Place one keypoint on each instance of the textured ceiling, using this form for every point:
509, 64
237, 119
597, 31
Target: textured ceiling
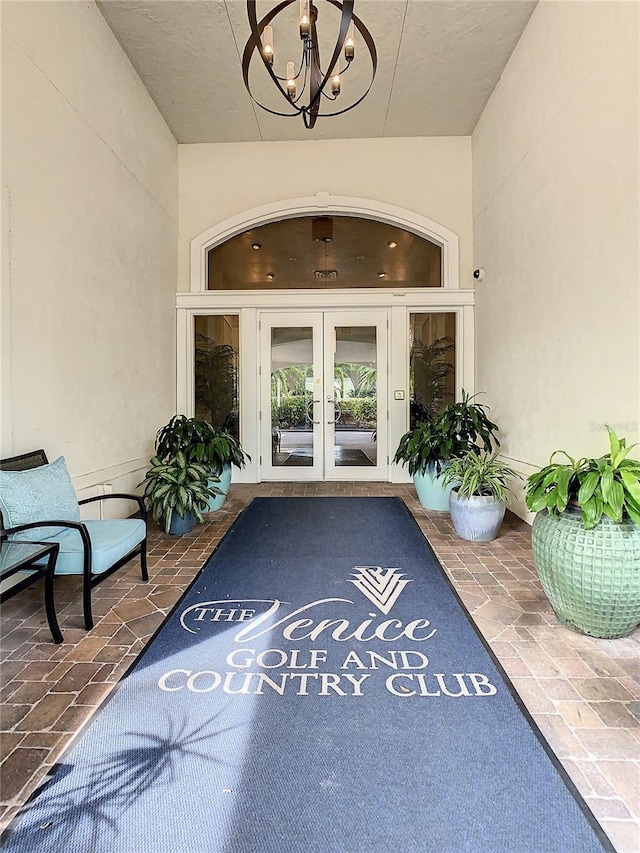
438, 62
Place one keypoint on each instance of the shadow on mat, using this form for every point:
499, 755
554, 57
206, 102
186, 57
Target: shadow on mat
82, 814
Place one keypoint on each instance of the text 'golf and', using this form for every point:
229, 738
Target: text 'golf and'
301, 671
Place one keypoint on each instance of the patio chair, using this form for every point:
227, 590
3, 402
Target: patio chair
38, 503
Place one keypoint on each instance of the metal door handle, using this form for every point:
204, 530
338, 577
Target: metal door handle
310, 406
337, 411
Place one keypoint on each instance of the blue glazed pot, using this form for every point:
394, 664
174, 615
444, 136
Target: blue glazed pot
477, 518
180, 525
432, 494
217, 502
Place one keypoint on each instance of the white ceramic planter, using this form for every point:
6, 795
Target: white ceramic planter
477, 518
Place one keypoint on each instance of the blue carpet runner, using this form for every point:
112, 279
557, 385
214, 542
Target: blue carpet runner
319, 689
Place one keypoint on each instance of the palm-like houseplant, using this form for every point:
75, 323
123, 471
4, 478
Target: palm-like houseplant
431, 377
431, 445
177, 491
479, 496
216, 382
586, 538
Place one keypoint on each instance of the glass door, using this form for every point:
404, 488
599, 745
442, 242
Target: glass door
355, 370
291, 412
324, 395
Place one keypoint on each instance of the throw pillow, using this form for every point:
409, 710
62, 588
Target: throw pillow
38, 494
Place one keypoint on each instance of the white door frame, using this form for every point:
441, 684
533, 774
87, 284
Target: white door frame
398, 353
323, 324
199, 300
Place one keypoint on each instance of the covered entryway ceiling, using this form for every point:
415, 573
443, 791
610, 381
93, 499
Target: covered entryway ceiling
439, 60
361, 253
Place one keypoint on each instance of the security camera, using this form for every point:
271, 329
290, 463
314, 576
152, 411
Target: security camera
478, 274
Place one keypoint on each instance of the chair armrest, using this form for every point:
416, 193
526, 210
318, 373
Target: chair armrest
140, 501
34, 525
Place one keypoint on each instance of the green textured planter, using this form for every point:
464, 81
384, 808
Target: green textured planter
591, 577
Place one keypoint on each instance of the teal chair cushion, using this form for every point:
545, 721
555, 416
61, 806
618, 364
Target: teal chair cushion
111, 539
38, 494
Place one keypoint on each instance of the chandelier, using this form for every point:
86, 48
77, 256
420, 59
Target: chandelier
305, 86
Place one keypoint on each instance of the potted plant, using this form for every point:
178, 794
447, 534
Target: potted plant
586, 539
177, 491
220, 452
478, 498
205, 444
431, 445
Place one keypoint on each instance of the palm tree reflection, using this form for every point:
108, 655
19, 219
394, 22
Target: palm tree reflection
75, 815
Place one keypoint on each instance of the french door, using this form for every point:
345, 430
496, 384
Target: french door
323, 395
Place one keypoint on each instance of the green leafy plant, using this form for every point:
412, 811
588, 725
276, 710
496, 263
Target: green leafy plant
290, 381
361, 410
200, 442
480, 474
608, 485
363, 380
176, 485
290, 412
431, 376
460, 427
216, 381
221, 449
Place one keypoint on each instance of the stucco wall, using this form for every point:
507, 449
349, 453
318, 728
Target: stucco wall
555, 207
431, 177
89, 172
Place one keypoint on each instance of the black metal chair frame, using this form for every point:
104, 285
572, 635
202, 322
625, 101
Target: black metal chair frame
90, 579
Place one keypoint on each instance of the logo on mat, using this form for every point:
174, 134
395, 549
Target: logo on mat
381, 586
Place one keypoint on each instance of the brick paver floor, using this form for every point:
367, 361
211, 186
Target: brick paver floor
583, 693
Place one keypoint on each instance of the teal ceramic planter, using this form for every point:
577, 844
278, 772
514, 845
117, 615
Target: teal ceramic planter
477, 518
181, 525
591, 577
217, 502
432, 494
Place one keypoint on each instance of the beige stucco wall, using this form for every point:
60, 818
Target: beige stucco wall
89, 173
556, 226
431, 177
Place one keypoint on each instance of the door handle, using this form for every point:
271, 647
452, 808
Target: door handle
337, 411
310, 415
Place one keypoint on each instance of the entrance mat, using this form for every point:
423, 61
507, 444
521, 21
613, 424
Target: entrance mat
342, 456
318, 688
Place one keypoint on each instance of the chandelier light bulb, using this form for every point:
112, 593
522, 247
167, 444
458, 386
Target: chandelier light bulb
267, 44
291, 83
335, 85
350, 43
305, 22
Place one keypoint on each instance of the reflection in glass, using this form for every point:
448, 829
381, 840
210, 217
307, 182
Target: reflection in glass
285, 255
217, 340
355, 395
292, 396
432, 339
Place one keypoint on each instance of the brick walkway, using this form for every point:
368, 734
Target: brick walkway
583, 693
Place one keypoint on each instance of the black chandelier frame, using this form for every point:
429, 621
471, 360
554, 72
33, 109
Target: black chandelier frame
310, 61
